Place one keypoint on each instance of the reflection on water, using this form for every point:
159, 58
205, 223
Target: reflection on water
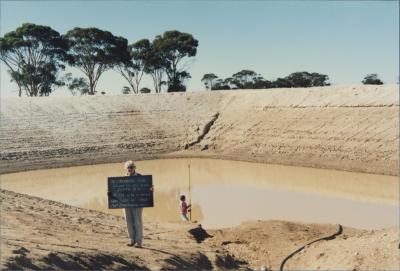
224, 193
232, 204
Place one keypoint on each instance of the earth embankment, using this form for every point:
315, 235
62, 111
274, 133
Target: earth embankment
353, 128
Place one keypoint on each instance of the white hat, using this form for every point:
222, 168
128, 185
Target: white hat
129, 164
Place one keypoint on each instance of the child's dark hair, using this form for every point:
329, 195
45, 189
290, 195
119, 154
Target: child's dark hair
183, 197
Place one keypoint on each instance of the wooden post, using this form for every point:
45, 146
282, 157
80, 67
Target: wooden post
190, 197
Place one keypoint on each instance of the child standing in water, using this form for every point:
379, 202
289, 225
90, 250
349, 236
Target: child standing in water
184, 208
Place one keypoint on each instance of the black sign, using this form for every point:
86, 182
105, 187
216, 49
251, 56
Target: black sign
130, 192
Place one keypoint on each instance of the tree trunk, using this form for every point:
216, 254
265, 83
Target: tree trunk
137, 86
91, 86
133, 88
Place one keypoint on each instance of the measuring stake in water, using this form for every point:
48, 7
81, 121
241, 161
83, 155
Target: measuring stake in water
190, 197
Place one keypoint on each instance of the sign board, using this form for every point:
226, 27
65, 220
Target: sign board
130, 192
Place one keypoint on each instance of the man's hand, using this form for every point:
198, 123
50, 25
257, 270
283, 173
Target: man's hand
152, 189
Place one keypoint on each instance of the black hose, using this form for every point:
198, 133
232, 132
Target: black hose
330, 237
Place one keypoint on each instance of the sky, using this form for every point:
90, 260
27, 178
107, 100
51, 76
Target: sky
344, 39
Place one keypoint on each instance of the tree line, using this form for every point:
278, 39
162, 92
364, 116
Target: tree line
248, 79
35, 56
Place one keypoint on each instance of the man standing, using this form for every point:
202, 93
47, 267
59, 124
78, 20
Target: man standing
133, 216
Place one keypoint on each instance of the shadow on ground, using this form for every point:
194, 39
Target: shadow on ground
73, 261
84, 261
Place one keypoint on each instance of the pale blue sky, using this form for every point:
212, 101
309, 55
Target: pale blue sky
343, 39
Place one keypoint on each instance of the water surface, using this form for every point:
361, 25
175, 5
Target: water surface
225, 193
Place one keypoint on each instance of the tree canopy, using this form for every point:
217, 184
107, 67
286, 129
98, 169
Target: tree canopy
76, 85
372, 79
138, 61
244, 78
93, 51
248, 79
34, 55
208, 80
305, 79
145, 90
155, 66
173, 46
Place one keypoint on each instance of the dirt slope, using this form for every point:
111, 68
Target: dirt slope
352, 128
268, 243
40, 234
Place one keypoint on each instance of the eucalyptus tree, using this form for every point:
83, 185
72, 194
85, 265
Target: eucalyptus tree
94, 51
145, 90
318, 79
260, 83
174, 46
281, 83
178, 82
208, 80
134, 68
245, 79
221, 84
230, 82
301, 79
125, 90
372, 79
34, 55
307, 79
155, 66
76, 84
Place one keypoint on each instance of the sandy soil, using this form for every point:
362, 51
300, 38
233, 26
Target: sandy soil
42, 234
352, 128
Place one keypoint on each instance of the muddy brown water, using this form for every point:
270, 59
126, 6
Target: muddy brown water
225, 193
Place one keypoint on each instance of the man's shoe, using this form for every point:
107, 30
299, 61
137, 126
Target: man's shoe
138, 245
130, 244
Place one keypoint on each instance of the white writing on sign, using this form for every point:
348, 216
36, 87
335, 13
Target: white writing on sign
130, 192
